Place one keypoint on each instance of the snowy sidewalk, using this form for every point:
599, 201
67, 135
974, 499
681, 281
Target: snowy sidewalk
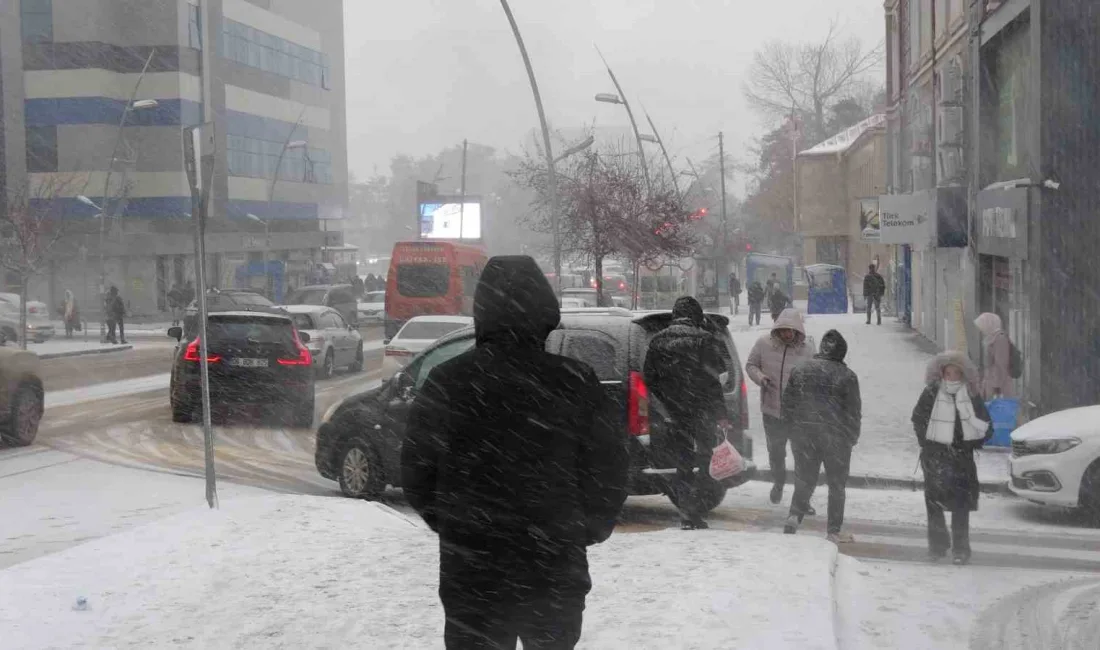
890, 362
74, 347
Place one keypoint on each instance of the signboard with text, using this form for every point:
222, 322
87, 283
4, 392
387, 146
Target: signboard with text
907, 218
1000, 227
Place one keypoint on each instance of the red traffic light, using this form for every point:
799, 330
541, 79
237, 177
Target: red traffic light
748, 247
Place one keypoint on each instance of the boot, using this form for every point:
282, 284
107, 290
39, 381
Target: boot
791, 526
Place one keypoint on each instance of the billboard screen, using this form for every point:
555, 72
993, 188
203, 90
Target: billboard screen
447, 219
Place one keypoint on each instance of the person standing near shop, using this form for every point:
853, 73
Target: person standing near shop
735, 293
115, 310
874, 288
756, 295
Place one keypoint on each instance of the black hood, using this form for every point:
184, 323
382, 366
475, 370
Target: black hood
688, 308
514, 303
833, 346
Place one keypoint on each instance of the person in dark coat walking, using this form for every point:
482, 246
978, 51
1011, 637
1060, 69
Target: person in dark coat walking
682, 368
777, 302
756, 295
515, 457
735, 293
824, 409
115, 310
874, 288
951, 421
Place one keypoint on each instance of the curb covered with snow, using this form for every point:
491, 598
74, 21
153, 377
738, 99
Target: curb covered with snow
80, 353
298, 572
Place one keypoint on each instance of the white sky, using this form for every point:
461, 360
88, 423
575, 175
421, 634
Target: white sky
424, 74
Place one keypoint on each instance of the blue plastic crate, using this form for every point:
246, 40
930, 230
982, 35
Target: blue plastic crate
1003, 412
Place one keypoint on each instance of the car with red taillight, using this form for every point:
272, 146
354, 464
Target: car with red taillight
255, 359
359, 440
414, 336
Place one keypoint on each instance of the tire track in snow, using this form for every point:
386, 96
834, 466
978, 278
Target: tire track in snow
1029, 620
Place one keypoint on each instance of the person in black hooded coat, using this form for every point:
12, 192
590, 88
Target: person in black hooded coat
682, 368
515, 458
823, 406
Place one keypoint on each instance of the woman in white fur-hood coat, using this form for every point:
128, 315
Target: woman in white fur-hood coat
951, 421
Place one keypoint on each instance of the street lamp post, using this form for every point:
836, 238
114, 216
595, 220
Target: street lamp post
287, 146
267, 247
609, 98
551, 177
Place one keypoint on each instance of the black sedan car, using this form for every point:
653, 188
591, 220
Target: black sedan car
255, 358
359, 441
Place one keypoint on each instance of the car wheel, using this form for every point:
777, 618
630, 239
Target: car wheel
709, 493
360, 471
1090, 494
357, 366
25, 415
328, 366
303, 415
182, 410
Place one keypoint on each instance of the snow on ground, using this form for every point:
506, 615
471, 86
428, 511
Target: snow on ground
890, 362
45, 505
309, 572
106, 390
75, 346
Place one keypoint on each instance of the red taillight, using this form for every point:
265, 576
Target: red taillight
304, 358
622, 286
744, 405
32, 310
398, 352
192, 353
637, 406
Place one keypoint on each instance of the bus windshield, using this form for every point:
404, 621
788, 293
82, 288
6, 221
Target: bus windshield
423, 280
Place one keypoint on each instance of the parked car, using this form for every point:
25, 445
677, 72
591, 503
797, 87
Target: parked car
221, 300
340, 297
416, 334
39, 327
255, 358
359, 440
372, 307
332, 341
1056, 460
21, 397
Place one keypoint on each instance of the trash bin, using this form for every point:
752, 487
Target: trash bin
1003, 412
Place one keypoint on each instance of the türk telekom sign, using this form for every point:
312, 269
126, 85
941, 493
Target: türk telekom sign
907, 218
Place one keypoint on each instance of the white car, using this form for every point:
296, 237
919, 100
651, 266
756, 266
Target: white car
332, 342
418, 333
372, 308
39, 327
1056, 459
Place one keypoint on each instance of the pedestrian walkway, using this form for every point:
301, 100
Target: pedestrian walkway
890, 362
74, 347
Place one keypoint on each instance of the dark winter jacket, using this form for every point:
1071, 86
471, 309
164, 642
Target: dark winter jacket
734, 285
683, 364
756, 293
950, 474
512, 454
114, 306
873, 285
822, 398
778, 301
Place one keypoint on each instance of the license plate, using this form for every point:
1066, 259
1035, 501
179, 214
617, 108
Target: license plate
248, 363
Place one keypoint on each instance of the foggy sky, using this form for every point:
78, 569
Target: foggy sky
424, 74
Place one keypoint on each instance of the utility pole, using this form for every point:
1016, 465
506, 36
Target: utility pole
725, 224
462, 203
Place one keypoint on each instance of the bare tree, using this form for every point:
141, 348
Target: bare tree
605, 208
31, 226
808, 78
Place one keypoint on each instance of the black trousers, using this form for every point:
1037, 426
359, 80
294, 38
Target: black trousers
809, 454
691, 447
111, 324
939, 539
754, 310
874, 302
735, 303
549, 623
777, 432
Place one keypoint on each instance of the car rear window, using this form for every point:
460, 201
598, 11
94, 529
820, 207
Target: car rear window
428, 330
307, 297
597, 349
245, 328
303, 321
423, 280
375, 296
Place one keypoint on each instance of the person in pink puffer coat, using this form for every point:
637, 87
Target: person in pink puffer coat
769, 366
996, 352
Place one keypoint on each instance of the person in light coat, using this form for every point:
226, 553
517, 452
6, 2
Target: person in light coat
769, 366
996, 353
951, 422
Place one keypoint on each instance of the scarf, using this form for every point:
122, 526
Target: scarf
942, 426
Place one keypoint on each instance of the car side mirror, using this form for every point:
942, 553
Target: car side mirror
303, 337
175, 332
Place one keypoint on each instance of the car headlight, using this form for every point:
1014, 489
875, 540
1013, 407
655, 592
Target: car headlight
1052, 446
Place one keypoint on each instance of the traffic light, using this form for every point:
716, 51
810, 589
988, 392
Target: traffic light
748, 248
701, 213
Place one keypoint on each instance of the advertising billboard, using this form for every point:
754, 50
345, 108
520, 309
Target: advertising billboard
449, 218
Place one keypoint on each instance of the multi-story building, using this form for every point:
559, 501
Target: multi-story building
269, 74
993, 139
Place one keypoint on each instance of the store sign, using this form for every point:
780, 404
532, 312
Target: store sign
1000, 226
870, 224
906, 218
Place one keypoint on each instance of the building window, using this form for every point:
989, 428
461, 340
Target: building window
832, 250
41, 149
255, 158
257, 49
37, 20
194, 27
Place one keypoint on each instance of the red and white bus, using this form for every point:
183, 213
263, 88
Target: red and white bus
431, 278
